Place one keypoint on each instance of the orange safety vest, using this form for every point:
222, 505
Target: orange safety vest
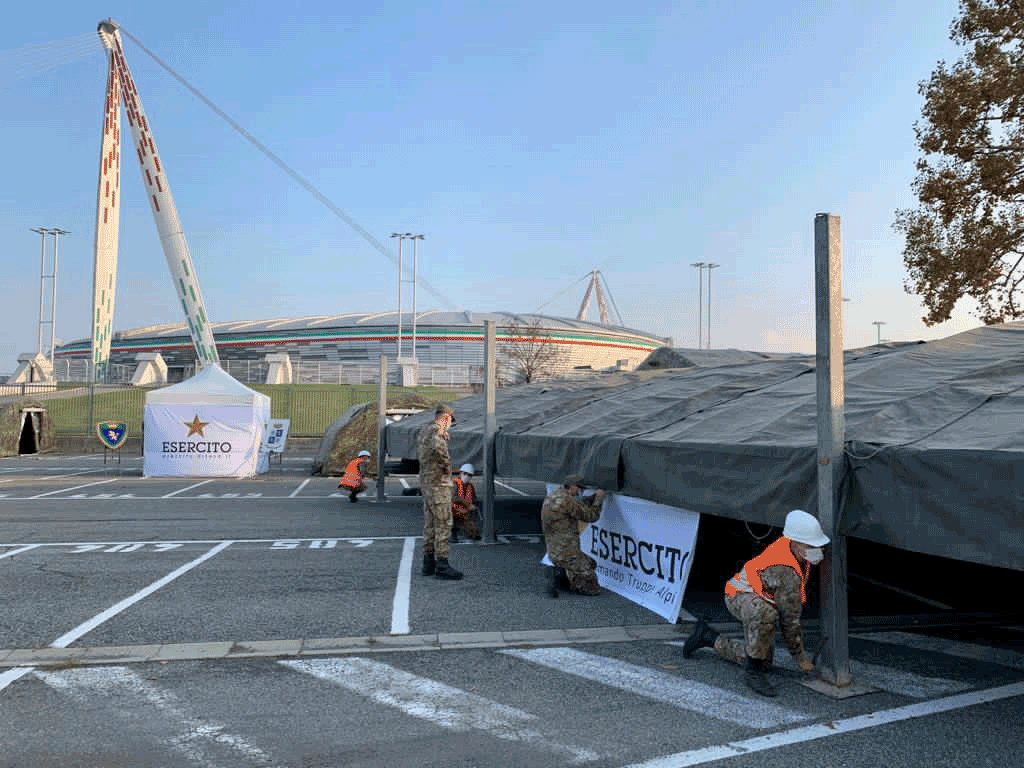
466, 492
749, 578
353, 477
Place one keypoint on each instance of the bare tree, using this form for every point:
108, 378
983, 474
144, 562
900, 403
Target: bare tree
528, 353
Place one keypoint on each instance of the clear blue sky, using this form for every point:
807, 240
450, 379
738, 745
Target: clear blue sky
531, 142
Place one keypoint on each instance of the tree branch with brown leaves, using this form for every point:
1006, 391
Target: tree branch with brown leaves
965, 236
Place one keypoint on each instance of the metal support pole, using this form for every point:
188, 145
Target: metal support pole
710, 267
42, 276
382, 422
414, 238
57, 232
700, 303
490, 428
828, 271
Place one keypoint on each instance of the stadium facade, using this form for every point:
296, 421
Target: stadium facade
449, 346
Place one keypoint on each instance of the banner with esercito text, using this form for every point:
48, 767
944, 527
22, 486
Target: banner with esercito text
643, 551
200, 441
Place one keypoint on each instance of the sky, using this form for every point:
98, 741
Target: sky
529, 142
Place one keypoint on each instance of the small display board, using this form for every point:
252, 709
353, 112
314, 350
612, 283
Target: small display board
277, 433
112, 434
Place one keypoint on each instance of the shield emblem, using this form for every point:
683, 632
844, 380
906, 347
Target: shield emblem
111, 434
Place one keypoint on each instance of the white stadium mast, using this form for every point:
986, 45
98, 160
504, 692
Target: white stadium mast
121, 88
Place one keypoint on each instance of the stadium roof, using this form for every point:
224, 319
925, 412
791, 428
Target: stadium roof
390, 319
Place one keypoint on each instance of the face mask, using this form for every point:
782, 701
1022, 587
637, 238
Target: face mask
814, 555
465, 477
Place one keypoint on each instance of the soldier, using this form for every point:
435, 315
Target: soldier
769, 589
354, 478
464, 506
436, 487
561, 515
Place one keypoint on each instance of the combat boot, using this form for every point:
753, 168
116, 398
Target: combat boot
586, 585
445, 571
703, 636
757, 678
557, 577
429, 564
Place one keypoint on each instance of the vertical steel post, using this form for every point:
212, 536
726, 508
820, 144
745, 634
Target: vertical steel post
700, 303
42, 277
382, 422
398, 339
828, 270
710, 266
490, 428
57, 232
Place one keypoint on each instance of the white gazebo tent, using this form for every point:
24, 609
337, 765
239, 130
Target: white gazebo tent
210, 425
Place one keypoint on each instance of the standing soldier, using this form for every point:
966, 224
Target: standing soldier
561, 515
436, 487
770, 589
354, 478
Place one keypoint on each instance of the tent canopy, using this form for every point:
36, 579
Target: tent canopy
934, 438
211, 386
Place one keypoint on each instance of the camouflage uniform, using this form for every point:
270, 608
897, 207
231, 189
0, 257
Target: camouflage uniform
758, 618
436, 487
560, 517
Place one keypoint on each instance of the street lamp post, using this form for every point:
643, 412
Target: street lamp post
710, 267
700, 302
398, 339
878, 324
414, 238
43, 232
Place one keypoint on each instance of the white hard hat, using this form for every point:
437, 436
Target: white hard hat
804, 528
364, 453
467, 468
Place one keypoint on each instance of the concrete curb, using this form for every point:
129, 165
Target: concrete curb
328, 646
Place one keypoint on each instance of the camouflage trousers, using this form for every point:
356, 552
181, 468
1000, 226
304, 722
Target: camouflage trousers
581, 572
437, 520
759, 619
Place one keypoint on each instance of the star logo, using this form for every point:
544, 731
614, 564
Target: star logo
195, 427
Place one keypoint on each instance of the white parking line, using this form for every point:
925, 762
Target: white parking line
302, 485
514, 490
182, 490
14, 552
999, 656
883, 678
831, 728
400, 606
198, 740
69, 637
674, 690
435, 702
74, 488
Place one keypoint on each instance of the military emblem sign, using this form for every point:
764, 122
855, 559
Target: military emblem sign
111, 434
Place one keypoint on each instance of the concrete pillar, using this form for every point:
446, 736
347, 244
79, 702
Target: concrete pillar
151, 370
279, 368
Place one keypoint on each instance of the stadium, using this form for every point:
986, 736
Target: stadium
447, 345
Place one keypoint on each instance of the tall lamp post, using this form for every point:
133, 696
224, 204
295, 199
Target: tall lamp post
414, 238
398, 339
878, 324
700, 302
43, 232
710, 267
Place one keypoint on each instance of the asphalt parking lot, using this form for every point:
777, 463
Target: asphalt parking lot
269, 621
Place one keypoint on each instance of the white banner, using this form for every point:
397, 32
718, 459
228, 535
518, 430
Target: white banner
203, 441
643, 551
